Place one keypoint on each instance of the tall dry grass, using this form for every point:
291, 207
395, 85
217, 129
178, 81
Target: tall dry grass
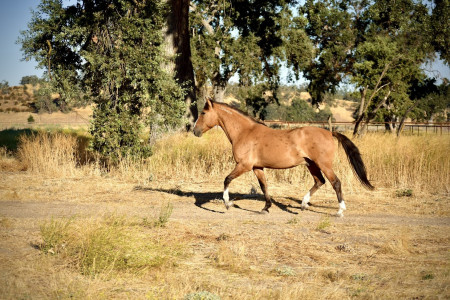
414, 162
51, 154
417, 162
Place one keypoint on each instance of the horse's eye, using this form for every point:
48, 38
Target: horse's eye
202, 113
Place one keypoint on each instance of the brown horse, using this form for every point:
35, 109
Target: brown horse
256, 146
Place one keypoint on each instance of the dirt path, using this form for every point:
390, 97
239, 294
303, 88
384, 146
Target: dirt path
388, 244
189, 208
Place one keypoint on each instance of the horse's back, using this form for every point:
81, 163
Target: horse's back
288, 148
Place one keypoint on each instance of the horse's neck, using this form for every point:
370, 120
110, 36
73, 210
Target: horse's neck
233, 123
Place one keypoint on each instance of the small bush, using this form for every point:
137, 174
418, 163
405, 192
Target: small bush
293, 221
285, 271
30, 119
404, 193
164, 215
202, 295
108, 245
323, 224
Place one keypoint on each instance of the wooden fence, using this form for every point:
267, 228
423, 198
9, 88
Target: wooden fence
409, 127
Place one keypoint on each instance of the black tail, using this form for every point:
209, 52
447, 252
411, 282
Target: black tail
355, 160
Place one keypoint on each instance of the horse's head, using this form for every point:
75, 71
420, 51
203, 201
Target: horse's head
208, 119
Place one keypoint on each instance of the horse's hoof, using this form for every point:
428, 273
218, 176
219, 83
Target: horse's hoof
340, 215
228, 205
264, 211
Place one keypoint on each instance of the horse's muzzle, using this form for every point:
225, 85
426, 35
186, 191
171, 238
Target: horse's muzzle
198, 132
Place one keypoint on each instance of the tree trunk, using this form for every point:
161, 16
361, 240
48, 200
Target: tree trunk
219, 92
404, 117
371, 115
361, 110
178, 45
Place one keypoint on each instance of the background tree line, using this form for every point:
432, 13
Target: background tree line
152, 63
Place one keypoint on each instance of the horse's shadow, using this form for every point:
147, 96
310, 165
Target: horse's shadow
202, 198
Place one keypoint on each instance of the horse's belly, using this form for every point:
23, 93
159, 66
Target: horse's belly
281, 158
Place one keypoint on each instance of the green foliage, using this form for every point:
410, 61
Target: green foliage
440, 28
32, 79
44, 102
379, 46
333, 30
298, 111
323, 224
255, 99
54, 234
404, 193
238, 37
9, 138
301, 111
30, 119
109, 53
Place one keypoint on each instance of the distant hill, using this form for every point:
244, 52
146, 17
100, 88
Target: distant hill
16, 105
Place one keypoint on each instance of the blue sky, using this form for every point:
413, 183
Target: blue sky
14, 17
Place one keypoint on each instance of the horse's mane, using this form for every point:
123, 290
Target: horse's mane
243, 113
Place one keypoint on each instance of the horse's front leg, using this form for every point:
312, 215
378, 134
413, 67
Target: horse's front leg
238, 171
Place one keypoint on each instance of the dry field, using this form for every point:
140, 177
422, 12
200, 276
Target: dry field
156, 229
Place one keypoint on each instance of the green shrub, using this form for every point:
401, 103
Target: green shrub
404, 193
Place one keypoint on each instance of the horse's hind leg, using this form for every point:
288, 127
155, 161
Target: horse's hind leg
336, 183
259, 172
318, 182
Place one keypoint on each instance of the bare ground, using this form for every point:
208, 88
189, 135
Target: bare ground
384, 247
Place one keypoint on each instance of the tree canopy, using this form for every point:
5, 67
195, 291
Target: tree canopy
110, 52
114, 53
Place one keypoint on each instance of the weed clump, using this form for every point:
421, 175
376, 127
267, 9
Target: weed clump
404, 193
108, 245
164, 215
323, 224
202, 295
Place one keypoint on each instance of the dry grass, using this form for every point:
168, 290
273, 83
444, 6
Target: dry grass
150, 230
109, 245
238, 255
49, 153
413, 163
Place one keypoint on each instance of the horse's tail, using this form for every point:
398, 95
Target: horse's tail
355, 160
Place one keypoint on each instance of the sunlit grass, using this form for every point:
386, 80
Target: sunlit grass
416, 163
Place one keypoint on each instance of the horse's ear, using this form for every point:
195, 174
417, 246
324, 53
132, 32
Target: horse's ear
208, 104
